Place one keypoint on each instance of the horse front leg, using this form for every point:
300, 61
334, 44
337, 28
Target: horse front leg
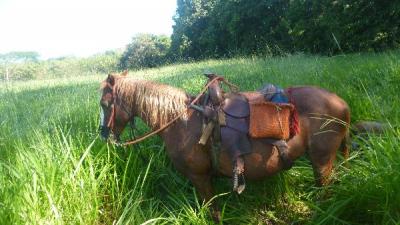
203, 184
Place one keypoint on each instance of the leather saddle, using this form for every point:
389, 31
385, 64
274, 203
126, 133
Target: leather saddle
234, 134
229, 115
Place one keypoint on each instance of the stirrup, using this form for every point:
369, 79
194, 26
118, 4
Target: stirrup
239, 183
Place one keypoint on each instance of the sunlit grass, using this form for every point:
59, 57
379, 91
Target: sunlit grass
55, 170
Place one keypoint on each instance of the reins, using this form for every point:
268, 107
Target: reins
233, 87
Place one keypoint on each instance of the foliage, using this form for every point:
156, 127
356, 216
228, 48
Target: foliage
331, 26
216, 28
55, 170
145, 50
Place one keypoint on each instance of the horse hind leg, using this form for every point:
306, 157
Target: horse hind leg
322, 153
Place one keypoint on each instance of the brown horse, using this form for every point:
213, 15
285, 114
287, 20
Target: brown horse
323, 117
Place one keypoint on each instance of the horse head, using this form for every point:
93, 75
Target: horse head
113, 114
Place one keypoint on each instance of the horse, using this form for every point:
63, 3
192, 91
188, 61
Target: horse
323, 129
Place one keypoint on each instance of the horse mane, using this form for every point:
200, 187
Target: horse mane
155, 103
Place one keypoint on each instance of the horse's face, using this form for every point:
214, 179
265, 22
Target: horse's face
113, 118
106, 105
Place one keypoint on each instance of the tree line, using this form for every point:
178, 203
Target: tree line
220, 28
27, 66
227, 28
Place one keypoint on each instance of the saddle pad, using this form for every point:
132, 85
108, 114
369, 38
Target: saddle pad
270, 120
253, 96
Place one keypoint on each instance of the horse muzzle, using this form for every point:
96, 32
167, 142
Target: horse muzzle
104, 132
107, 135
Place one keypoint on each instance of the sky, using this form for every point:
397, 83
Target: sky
56, 28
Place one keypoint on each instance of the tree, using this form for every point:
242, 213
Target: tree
145, 50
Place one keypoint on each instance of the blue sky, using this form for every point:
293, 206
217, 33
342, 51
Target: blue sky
81, 28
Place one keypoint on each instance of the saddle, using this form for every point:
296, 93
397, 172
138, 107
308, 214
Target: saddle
227, 121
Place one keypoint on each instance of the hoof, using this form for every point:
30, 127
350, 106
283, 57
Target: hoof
216, 215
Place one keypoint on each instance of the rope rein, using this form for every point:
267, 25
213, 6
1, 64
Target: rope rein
231, 86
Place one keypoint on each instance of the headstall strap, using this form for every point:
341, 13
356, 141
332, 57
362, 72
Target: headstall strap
110, 123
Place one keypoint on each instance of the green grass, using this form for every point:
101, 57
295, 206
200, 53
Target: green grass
55, 170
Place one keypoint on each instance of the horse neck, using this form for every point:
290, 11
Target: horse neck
156, 104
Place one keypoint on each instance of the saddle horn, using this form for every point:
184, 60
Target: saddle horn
210, 75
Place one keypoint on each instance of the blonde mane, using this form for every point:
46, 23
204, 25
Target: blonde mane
155, 103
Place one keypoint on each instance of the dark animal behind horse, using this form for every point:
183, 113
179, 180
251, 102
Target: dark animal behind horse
323, 117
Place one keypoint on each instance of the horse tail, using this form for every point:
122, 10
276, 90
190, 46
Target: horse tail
359, 129
362, 129
369, 127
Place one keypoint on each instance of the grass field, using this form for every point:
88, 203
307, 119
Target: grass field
54, 169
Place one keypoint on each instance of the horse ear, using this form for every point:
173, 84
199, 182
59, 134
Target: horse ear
125, 73
111, 79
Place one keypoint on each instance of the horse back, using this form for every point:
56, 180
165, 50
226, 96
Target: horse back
310, 100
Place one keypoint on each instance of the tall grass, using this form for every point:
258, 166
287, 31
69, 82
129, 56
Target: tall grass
55, 170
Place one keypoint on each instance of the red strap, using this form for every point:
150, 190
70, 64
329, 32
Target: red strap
111, 120
110, 123
294, 116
